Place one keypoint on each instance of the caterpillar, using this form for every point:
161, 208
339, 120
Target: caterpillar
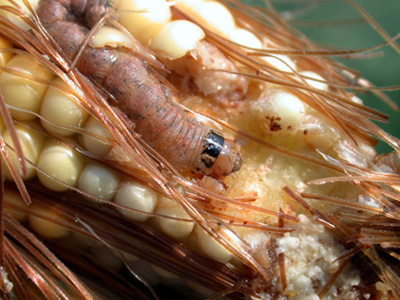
181, 139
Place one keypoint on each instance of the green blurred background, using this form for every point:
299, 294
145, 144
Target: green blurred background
336, 23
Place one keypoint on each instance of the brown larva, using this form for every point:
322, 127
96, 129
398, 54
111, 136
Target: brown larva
181, 139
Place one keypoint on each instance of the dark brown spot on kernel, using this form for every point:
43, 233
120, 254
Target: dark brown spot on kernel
275, 127
273, 124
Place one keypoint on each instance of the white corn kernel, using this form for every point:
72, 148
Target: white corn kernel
212, 14
187, 4
31, 144
176, 229
176, 38
21, 92
98, 181
61, 162
15, 199
288, 107
357, 100
44, 227
143, 18
280, 62
111, 37
315, 84
211, 247
94, 144
15, 19
245, 38
139, 197
5, 57
59, 109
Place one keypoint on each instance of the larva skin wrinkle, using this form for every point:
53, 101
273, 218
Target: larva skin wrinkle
162, 124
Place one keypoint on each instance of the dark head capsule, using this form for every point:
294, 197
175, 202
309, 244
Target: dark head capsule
219, 156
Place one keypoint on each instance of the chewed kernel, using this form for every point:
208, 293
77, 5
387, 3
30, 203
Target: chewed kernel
176, 38
21, 92
59, 109
60, 162
98, 181
45, 227
211, 247
14, 198
289, 107
276, 110
143, 18
320, 134
31, 143
263, 258
175, 228
94, 144
136, 196
111, 37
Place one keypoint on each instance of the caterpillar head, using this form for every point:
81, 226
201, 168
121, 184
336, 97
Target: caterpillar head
220, 157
